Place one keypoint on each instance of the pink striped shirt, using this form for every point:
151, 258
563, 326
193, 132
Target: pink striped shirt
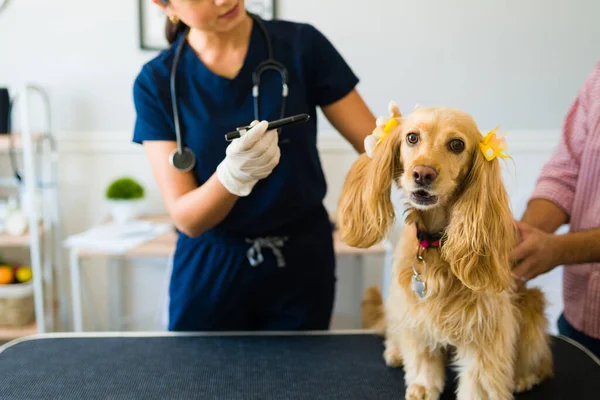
571, 180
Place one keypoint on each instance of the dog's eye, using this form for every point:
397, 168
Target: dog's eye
457, 146
412, 138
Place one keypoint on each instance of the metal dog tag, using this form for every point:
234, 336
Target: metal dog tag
418, 286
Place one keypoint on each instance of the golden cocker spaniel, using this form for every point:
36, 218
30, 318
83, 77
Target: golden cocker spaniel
452, 296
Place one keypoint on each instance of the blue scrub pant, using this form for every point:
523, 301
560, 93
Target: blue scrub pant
566, 329
215, 287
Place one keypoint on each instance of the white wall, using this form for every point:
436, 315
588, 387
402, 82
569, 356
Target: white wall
509, 62
513, 63
85, 53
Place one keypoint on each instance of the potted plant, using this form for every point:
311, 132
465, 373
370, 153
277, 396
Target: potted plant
125, 195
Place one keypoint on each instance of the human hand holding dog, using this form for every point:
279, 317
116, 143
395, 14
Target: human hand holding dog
537, 253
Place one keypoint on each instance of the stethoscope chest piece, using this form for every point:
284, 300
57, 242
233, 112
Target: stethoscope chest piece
183, 160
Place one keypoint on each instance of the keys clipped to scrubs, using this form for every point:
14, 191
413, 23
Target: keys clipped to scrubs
280, 123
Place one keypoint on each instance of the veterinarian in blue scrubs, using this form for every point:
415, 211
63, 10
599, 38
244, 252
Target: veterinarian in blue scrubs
254, 248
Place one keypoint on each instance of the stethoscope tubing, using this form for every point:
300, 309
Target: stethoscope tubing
183, 158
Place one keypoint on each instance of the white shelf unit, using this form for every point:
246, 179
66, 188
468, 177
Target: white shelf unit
44, 234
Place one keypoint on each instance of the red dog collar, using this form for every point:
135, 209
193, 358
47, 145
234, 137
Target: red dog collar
427, 239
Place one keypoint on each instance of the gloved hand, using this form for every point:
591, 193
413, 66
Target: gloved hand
371, 140
249, 159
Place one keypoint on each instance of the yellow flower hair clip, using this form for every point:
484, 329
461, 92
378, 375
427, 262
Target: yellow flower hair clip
392, 123
492, 146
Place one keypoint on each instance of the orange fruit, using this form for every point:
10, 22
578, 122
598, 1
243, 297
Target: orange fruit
6, 275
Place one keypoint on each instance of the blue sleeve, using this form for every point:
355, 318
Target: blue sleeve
153, 120
331, 77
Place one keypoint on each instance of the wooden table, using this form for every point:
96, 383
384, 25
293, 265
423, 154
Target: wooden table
164, 246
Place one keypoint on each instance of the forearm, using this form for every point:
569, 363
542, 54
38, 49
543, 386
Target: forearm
202, 208
577, 247
196, 208
352, 118
544, 215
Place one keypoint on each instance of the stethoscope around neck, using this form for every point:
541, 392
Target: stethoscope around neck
183, 158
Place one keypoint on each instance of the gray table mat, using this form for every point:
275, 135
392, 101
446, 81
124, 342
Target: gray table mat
238, 367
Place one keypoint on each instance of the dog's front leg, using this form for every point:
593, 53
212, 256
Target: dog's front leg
424, 370
486, 372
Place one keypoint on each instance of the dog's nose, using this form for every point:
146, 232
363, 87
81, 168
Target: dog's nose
424, 175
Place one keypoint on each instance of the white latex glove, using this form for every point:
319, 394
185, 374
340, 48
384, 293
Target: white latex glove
249, 159
372, 139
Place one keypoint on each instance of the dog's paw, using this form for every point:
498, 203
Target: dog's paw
419, 392
392, 356
525, 383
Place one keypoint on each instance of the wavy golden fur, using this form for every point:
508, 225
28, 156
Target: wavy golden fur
495, 328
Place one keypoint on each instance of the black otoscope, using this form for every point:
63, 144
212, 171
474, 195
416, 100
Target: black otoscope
280, 123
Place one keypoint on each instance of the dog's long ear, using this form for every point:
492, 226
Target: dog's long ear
482, 230
365, 209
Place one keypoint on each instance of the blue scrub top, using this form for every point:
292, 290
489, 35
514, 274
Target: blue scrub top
211, 105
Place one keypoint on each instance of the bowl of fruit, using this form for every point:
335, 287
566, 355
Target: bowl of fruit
16, 295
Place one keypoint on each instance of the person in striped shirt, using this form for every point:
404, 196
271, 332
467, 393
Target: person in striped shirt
568, 192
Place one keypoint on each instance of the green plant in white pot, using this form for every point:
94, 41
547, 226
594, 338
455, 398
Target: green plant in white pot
125, 195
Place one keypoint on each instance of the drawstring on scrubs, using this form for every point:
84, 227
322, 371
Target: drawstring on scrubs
254, 253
